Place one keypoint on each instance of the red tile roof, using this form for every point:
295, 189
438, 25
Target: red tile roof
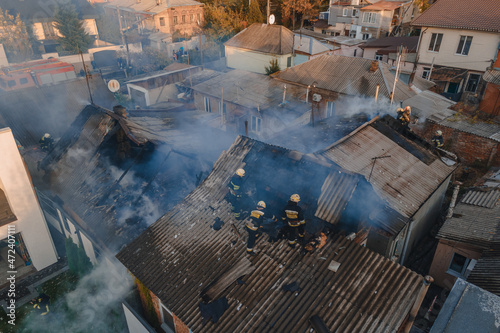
481, 15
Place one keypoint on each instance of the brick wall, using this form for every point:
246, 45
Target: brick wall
468, 147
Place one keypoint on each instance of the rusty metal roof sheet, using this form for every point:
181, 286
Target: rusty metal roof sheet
405, 179
486, 272
492, 76
459, 14
346, 75
482, 198
265, 38
180, 255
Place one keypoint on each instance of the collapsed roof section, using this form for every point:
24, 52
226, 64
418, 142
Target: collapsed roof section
180, 255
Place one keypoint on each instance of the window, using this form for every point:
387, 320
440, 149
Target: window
472, 83
330, 109
435, 42
48, 30
223, 110
289, 62
191, 18
352, 33
23, 80
464, 45
199, 18
183, 18
366, 36
162, 21
426, 72
378, 57
354, 13
345, 12
11, 83
167, 320
206, 102
256, 124
369, 17
453, 87
323, 32
458, 265
176, 20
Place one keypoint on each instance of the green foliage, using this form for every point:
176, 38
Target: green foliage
254, 14
422, 5
273, 66
78, 261
149, 60
149, 308
74, 38
221, 23
15, 38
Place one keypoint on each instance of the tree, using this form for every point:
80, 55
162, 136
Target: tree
254, 14
422, 5
74, 38
221, 23
273, 66
302, 8
15, 38
78, 261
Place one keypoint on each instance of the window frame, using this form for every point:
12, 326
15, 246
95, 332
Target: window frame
465, 48
464, 267
183, 19
330, 108
164, 325
176, 19
206, 104
435, 42
425, 73
379, 57
367, 36
345, 11
256, 124
288, 62
372, 17
162, 21
354, 12
466, 88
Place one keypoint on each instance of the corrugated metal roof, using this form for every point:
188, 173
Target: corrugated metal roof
404, 180
428, 104
487, 199
486, 272
346, 75
265, 38
476, 127
459, 14
492, 76
473, 224
180, 255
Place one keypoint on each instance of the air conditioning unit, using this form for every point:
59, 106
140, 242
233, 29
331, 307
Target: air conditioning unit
316, 97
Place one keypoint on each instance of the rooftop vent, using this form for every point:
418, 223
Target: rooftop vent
374, 66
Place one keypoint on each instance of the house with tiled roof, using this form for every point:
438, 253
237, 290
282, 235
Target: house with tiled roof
192, 260
458, 43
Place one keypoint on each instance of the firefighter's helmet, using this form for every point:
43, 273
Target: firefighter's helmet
261, 204
438, 132
46, 135
408, 109
240, 172
295, 198
399, 110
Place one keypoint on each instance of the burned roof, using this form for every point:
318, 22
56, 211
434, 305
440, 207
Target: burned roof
6, 214
180, 255
265, 38
117, 175
402, 170
346, 75
475, 220
49, 109
459, 14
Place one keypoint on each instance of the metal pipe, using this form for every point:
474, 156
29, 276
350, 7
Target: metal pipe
453, 200
376, 92
246, 127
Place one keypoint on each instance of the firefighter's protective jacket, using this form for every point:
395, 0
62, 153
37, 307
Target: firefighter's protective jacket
293, 214
235, 185
438, 141
257, 219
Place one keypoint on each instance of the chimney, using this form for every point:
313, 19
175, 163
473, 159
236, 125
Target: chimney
120, 110
374, 66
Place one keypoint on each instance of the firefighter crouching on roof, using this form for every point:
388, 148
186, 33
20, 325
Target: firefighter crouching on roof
292, 214
41, 304
254, 225
404, 115
46, 142
235, 192
437, 139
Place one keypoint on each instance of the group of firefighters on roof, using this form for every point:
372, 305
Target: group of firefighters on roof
292, 215
403, 115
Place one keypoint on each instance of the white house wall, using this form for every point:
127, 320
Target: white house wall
252, 61
3, 57
484, 47
24, 204
89, 249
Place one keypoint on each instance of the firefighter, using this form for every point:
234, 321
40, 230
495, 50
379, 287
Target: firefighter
437, 139
46, 142
404, 115
235, 192
292, 214
254, 225
41, 303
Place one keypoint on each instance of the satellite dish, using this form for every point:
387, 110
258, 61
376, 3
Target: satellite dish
272, 19
113, 85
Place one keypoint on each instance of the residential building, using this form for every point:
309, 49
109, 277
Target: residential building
348, 46
472, 230
332, 78
256, 46
387, 50
468, 309
165, 16
250, 103
184, 263
307, 48
391, 159
26, 245
39, 16
457, 44
160, 86
490, 102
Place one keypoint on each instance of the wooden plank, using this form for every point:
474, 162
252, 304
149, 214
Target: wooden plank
242, 267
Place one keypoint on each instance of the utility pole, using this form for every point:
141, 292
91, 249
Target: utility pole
86, 75
397, 73
268, 11
123, 39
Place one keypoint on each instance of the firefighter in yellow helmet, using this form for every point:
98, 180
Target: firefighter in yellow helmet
404, 115
254, 225
41, 303
46, 142
235, 192
293, 216
437, 139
